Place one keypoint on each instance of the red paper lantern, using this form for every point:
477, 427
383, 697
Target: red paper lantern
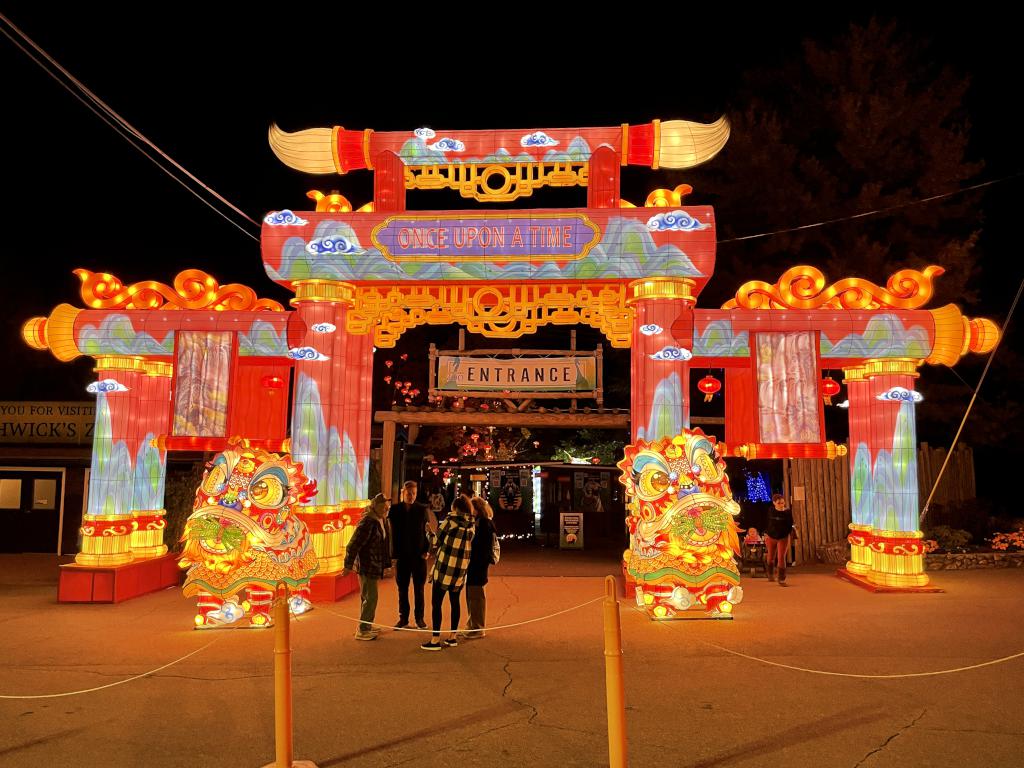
829, 389
709, 385
272, 382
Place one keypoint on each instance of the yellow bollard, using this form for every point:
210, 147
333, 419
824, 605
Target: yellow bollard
282, 681
613, 678
283, 685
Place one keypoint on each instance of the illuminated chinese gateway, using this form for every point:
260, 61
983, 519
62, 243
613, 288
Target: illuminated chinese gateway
189, 366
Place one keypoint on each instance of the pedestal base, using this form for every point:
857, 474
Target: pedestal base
331, 587
114, 584
863, 583
295, 764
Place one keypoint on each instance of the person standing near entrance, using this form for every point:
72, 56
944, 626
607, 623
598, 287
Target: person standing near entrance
480, 559
777, 533
409, 548
451, 559
369, 553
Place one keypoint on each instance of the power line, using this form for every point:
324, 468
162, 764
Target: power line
123, 127
875, 212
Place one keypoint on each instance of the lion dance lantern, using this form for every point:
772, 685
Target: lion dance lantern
244, 536
683, 535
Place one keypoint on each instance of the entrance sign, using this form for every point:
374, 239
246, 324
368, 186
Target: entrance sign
524, 374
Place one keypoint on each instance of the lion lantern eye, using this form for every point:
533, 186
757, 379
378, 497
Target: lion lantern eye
215, 480
654, 483
267, 491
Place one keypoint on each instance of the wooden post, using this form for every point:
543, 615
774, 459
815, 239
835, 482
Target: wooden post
432, 386
282, 681
387, 461
614, 688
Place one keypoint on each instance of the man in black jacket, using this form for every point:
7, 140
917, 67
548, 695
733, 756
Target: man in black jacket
409, 549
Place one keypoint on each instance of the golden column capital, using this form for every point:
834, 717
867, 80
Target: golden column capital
661, 288
325, 291
888, 366
120, 363
158, 368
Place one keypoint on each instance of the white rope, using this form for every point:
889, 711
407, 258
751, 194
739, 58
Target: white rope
868, 677
795, 668
482, 629
119, 682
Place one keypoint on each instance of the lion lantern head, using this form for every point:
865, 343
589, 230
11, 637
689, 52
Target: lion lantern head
244, 532
683, 532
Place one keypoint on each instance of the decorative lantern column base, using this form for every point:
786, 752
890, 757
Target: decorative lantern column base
860, 549
897, 562
147, 538
897, 559
331, 527
106, 541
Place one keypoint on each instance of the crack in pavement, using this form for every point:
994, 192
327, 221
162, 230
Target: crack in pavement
885, 743
507, 608
535, 713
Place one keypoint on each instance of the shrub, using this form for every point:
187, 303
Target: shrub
949, 539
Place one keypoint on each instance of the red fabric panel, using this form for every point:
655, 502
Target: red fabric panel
259, 411
740, 406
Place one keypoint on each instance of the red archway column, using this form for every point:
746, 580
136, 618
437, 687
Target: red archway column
330, 421
107, 523
660, 369
152, 421
886, 546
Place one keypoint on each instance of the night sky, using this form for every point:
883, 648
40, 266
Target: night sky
205, 87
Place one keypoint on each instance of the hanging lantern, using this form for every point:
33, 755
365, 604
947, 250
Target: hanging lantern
709, 385
829, 389
272, 382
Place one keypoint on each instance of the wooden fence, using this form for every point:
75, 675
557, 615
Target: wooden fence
819, 490
958, 480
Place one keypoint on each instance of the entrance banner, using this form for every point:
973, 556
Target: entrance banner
523, 374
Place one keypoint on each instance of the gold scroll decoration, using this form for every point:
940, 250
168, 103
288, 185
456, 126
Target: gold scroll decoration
803, 287
193, 289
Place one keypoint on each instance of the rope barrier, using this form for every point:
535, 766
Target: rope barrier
867, 677
897, 676
119, 682
484, 629
534, 620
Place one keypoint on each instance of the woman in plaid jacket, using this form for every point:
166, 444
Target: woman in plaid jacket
451, 559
